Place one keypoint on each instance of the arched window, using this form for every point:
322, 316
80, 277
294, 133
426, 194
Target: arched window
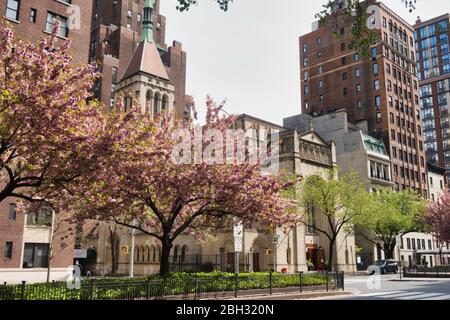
142, 254
158, 254
156, 100
153, 254
136, 252
164, 104
147, 248
128, 103
176, 252
148, 101
183, 253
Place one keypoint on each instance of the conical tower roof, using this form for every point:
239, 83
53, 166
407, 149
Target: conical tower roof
146, 58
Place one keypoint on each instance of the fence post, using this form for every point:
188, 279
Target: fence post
270, 282
149, 294
301, 281
92, 289
236, 285
22, 291
196, 288
326, 276
343, 281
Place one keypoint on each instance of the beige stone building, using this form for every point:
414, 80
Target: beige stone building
303, 154
356, 151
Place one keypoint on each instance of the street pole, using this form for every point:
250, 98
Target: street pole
399, 256
274, 257
238, 244
133, 233
275, 243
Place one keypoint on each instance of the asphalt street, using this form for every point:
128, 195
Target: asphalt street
390, 287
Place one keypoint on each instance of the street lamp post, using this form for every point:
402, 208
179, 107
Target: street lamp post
399, 255
238, 231
133, 234
276, 237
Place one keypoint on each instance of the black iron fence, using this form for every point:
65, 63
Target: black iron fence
225, 262
192, 288
426, 272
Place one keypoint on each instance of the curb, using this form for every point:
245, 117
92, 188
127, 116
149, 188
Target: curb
420, 280
296, 296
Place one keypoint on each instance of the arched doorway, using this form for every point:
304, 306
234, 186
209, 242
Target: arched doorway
257, 259
227, 256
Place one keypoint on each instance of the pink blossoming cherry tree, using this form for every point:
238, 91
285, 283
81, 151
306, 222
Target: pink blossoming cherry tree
140, 186
46, 124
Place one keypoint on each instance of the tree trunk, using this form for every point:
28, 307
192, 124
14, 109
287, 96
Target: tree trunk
49, 263
114, 258
164, 266
330, 255
389, 250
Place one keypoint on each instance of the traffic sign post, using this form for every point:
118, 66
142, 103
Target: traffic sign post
238, 232
275, 240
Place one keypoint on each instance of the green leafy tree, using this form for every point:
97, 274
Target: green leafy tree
340, 201
390, 215
184, 5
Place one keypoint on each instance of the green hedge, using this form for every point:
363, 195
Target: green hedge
172, 285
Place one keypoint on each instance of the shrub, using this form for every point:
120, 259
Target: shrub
173, 284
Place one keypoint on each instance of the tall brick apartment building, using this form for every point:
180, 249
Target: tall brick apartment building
433, 56
33, 19
116, 33
24, 239
382, 89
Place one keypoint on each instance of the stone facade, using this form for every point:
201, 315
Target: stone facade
355, 151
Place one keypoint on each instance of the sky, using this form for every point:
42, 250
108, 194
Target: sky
249, 56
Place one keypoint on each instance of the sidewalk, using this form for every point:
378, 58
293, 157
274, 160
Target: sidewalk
412, 279
296, 296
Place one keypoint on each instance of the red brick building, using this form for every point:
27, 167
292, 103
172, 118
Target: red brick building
382, 89
24, 239
116, 33
33, 19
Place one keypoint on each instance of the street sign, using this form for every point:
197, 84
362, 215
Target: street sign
276, 238
238, 246
80, 254
238, 230
124, 249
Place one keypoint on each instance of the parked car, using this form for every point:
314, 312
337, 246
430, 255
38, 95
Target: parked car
383, 266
